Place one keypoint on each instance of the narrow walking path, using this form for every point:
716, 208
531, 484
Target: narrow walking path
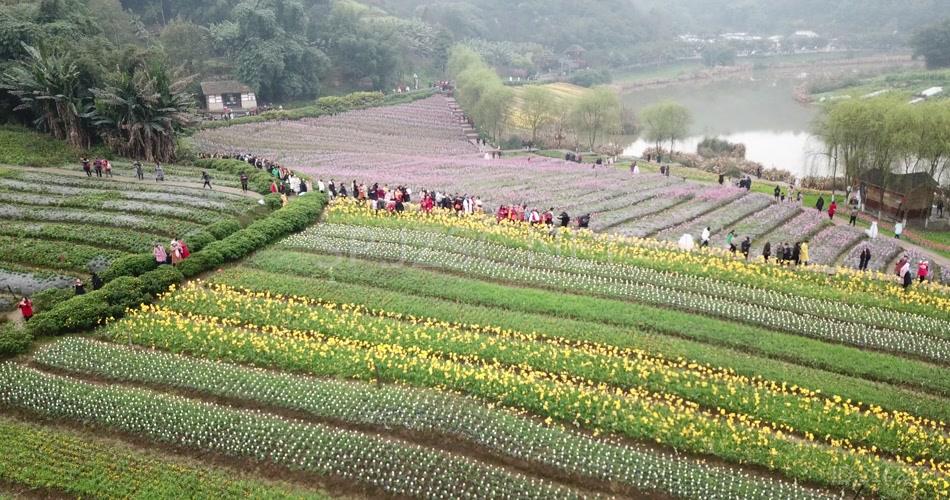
131, 180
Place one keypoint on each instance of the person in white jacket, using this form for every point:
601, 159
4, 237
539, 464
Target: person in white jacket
704, 239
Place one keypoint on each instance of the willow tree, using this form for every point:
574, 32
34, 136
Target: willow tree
49, 85
666, 121
537, 109
140, 112
596, 113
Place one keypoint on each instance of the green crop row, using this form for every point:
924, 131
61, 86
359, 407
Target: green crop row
119, 239
433, 414
392, 467
40, 458
635, 414
609, 321
799, 410
147, 223
55, 254
110, 201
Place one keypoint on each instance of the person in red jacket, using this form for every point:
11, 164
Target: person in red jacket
273, 187
26, 308
923, 270
832, 209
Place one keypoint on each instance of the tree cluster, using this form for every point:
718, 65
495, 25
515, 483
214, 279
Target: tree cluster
82, 81
886, 136
933, 44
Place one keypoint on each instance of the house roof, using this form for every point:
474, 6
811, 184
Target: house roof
224, 87
901, 183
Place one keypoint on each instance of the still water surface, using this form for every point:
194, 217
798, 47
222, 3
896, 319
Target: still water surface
759, 112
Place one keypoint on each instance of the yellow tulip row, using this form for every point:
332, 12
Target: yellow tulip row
635, 413
650, 252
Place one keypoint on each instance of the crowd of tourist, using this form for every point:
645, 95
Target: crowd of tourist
785, 254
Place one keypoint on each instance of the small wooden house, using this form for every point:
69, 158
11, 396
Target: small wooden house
907, 196
228, 95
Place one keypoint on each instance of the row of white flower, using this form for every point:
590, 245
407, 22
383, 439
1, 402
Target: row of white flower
392, 466
620, 286
425, 412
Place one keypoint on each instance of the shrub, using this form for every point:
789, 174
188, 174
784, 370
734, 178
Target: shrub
591, 77
129, 265
157, 281
13, 340
84, 312
48, 298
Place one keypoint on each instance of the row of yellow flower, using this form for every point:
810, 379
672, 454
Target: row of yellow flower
652, 253
634, 413
792, 409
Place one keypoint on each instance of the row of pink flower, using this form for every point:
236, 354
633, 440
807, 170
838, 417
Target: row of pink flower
703, 201
826, 246
718, 219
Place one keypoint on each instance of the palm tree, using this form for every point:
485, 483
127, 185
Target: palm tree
140, 112
49, 86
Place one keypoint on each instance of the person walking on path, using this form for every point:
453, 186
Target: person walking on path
107, 166
206, 179
243, 182
804, 253
85, 166
729, 237
159, 173
704, 239
865, 258
923, 270
832, 209
96, 281
905, 274
139, 172
820, 204
797, 253
778, 193
767, 250
746, 247
78, 287
854, 216
26, 308
97, 166
898, 229
780, 254
159, 253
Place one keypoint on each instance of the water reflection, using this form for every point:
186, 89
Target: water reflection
757, 111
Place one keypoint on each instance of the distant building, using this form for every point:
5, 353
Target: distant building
228, 95
904, 195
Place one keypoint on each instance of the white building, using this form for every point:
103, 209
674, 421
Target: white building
228, 95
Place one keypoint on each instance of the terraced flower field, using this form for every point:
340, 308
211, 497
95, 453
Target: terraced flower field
433, 356
57, 226
422, 146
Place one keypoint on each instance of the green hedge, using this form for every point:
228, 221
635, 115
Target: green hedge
123, 292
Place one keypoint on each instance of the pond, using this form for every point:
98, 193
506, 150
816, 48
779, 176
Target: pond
758, 111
